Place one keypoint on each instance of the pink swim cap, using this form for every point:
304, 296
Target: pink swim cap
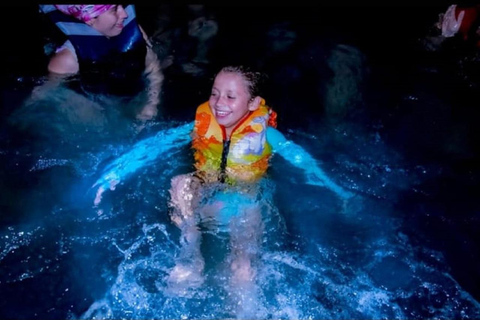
84, 12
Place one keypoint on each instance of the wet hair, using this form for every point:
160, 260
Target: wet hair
254, 79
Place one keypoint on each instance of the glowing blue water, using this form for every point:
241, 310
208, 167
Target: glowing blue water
62, 257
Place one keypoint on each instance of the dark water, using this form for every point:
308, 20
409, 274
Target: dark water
387, 119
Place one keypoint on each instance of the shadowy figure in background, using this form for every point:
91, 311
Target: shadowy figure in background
107, 59
185, 40
185, 44
234, 136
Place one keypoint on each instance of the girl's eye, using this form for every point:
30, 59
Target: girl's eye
230, 97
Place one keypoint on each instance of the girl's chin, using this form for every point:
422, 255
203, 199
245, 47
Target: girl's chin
221, 119
225, 124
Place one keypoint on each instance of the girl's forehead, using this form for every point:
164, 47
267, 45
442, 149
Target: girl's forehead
230, 75
230, 78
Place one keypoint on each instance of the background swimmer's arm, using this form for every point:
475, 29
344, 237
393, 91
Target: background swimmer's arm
61, 66
155, 78
142, 153
63, 62
300, 158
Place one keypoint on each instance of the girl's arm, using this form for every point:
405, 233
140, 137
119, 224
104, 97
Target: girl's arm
141, 154
300, 158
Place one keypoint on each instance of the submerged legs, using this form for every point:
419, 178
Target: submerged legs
243, 221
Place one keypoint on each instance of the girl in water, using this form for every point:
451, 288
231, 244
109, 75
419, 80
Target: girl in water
233, 137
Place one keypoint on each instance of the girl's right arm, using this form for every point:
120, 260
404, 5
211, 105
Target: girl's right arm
142, 153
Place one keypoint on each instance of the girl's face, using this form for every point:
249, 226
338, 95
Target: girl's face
110, 23
230, 100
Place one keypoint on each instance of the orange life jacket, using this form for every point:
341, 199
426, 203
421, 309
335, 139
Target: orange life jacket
243, 156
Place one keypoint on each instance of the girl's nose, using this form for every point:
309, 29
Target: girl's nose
121, 13
222, 99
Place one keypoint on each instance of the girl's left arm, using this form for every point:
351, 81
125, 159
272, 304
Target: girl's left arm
300, 158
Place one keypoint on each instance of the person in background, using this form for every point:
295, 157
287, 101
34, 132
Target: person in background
109, 51
461, 21
233, 137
